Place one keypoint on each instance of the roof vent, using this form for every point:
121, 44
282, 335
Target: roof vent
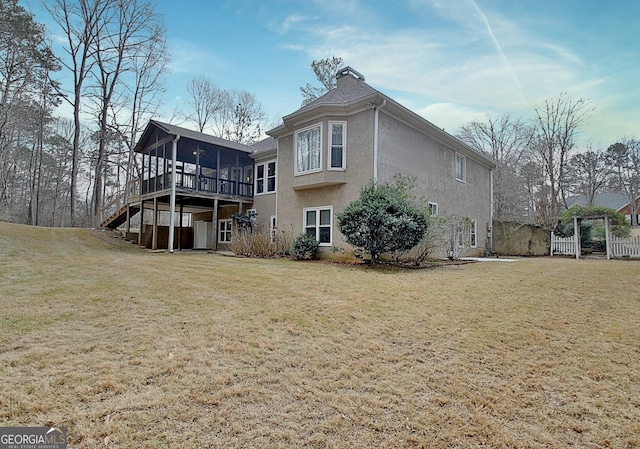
348, 71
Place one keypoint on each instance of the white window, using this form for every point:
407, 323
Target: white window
317, 222
461, 168
266, 177
433, 208
272, 228
473, 238
224, 230
337, 145
309, 149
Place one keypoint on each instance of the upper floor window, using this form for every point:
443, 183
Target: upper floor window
309, 149
338, 140
433, 208
461, 167
266, 177
317, 222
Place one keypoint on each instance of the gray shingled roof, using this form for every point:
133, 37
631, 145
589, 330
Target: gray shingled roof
201, 137
264, 145
353, 92
612, 200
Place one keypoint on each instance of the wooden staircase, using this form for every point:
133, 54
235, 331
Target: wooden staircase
114, 213
119, 216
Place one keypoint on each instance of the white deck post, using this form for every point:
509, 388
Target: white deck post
551, 250
172, 200
154, 234
214, 227
141, 224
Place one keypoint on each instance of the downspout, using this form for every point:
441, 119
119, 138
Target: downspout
376, 138
277, 187
172, 201
490, 230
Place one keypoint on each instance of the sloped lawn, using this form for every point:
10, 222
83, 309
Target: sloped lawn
131, 349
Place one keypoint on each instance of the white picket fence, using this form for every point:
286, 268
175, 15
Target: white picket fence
625, 247
565, 246
618, 247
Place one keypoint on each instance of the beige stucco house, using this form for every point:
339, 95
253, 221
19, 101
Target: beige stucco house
307, 170
322, 154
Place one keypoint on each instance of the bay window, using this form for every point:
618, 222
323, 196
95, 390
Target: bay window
309, 149
337, 144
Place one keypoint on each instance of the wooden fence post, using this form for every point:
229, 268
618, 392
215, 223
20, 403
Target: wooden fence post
607, 235
576, 234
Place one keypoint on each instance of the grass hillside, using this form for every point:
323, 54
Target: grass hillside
128, 348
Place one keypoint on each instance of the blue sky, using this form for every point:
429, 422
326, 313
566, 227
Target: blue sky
451, 61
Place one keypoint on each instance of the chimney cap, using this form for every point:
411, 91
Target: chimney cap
348, 71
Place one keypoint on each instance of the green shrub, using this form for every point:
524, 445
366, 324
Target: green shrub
305, 246
383, 219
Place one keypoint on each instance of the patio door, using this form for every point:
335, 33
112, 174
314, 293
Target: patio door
202, 234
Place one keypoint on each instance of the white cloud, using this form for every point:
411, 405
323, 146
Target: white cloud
190, 58
456, 61
484, 64
293, 47
291, 22
450, 116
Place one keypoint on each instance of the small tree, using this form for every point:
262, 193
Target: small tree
434, 240
382, 220
458, 234
245, 221
305, 246
450, 235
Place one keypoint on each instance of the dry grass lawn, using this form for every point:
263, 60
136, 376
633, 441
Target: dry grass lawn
131, 349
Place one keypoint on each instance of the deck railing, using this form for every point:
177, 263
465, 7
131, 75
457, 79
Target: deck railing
119, 200
193, 183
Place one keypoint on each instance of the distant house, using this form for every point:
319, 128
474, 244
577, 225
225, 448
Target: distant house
613, 200
308, 170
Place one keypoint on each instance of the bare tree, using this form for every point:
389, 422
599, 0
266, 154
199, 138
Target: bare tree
149, 65
556, 126
129, 25
26, 103
205, 101
624, 157
81, 22
325, 71
587, 173
531, 174
240, 119
59, 147
247, 117
506, 140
